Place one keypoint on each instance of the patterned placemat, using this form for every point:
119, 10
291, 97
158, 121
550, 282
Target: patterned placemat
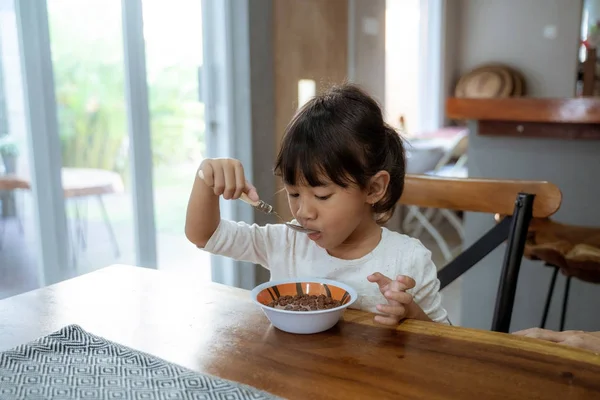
74, 364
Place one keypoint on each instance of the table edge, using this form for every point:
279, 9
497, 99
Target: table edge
434, 329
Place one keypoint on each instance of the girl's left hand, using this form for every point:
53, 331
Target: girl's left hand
400, 305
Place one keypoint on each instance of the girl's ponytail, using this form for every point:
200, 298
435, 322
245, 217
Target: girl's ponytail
394, 162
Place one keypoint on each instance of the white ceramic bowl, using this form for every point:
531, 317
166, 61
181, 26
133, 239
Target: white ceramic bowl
303, 322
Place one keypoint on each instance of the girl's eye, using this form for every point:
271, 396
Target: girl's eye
323, 197
294, 195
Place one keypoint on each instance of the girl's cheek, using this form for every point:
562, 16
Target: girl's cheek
293, 207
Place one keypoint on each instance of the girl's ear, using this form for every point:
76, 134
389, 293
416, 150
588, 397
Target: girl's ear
378, 187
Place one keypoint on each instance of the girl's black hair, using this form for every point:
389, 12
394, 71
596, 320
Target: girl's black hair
341, 136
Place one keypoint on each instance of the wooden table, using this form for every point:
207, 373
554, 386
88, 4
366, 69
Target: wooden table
217, 329
76, 182
553, 118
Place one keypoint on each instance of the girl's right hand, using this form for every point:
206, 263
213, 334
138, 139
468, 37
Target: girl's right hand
226, 177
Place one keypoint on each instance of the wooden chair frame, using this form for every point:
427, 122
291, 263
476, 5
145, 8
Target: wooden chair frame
512, 198
11, 183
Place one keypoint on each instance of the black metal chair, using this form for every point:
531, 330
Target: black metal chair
571, 249
517, 200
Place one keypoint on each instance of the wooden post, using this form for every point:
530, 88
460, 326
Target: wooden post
589, 72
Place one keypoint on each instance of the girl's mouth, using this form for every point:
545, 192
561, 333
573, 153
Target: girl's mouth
314, 236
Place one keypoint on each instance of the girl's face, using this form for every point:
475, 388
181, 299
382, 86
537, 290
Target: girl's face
342, 216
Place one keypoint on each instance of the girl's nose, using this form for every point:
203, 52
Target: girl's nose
305, 211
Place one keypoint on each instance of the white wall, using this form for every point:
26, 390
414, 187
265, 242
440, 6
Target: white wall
511, 31
367, 44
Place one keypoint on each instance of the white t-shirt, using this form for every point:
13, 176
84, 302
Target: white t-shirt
290, 254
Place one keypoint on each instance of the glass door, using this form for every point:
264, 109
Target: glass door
174, 58
18, 236
78, 128
115, 127
86, 42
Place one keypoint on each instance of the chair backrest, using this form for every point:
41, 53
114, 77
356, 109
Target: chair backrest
519, 200
457, 149
479, 195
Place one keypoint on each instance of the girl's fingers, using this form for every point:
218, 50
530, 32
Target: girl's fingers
381, 280
402, 283
406, 281
240, 180
394, 310
218, 181
207, 175
251, 192
400, 297
230, 182
392, 321
395, 286
226, 177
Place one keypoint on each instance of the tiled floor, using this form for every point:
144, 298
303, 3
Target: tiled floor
18, 259
19, 263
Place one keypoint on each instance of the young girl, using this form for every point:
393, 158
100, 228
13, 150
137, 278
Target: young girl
343, 171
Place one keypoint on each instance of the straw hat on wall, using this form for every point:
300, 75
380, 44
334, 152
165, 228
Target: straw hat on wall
491, 81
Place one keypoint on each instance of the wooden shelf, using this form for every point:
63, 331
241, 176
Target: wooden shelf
577, 118
526, 109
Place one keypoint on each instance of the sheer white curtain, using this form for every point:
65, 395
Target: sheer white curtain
432, 49
225, 78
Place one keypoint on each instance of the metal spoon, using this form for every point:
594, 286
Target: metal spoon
267, 209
